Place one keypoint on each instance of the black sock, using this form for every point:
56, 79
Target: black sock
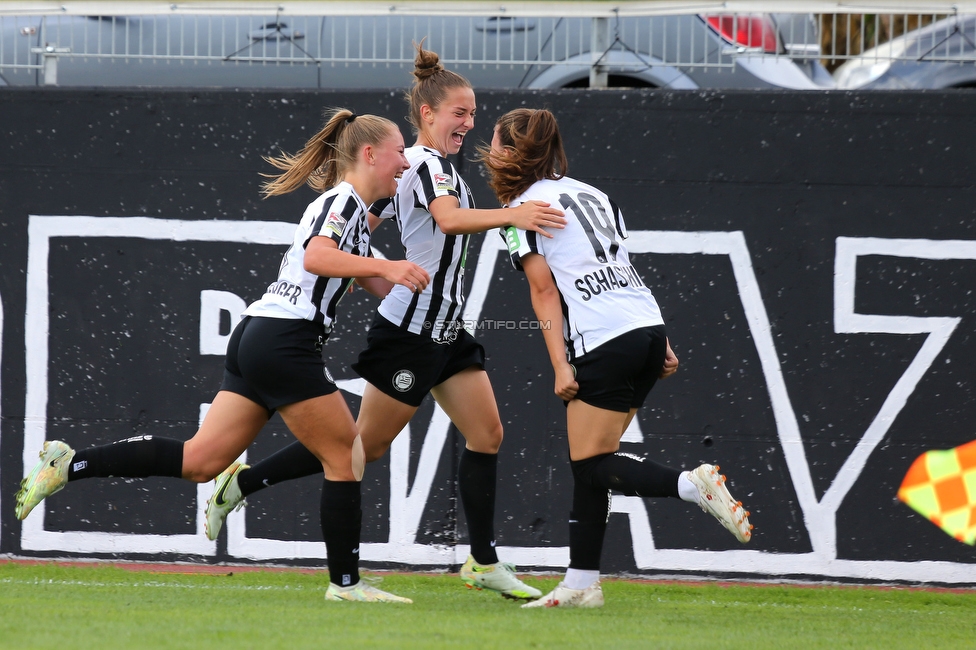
136, 457
294, 461
476, 484
631, 475
342, 518
587, 525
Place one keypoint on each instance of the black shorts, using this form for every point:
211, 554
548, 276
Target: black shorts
276, 361
406, 366
619, 374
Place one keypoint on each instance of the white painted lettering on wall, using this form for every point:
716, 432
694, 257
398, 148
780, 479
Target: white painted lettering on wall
407, 503
212, 304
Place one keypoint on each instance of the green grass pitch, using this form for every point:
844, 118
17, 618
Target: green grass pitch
47, 605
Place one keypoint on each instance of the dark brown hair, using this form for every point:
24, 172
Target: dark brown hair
432, 81
534, 151
328, 154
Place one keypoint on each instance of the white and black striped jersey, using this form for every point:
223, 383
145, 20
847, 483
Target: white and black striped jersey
602, 294
437, 308
340, 215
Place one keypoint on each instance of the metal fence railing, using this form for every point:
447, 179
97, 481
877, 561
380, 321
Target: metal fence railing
186, 48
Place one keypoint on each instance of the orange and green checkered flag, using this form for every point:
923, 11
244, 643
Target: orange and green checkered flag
941, 486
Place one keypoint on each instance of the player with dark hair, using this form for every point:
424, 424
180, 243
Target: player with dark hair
607, 345
416, 344
274, 360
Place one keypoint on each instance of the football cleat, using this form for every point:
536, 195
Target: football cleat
362, 592
714, 498
563, 596
48, 477
226, 498
499, 577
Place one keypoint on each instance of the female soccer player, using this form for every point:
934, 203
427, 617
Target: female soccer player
274, 357
608, 351
416, 344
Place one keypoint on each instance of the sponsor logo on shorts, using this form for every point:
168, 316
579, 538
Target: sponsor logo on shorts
328, 375
443, 181
403, 381
335, 223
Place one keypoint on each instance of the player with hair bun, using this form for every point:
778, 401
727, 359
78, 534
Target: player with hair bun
607, 344
416, 344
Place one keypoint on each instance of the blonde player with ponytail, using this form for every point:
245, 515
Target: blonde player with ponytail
274, 360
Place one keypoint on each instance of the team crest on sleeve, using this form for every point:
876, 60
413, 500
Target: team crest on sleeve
443, 182
335, 223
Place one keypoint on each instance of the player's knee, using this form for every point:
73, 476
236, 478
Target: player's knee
373, 451
495, 437
200, 475
488, 441
585, 470
197, 468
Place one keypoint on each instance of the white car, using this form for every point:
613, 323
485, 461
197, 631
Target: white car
939, 55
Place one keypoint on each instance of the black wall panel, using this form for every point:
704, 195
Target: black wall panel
790, 173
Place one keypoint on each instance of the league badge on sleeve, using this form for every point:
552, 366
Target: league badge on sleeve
335, 223
443, 182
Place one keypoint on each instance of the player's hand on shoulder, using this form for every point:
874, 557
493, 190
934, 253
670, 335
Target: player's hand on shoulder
537, 216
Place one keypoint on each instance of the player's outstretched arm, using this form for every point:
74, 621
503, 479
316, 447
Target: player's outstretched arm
452, 219
323, 257
376, 286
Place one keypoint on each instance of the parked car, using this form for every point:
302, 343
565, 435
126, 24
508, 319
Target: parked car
187, 50
939, 55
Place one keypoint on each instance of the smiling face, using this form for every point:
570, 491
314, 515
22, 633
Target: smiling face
443, 128
378, 166
388, 163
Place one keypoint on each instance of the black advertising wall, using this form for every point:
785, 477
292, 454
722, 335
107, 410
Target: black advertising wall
814, 255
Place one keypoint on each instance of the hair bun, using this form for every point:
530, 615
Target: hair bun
426, 64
